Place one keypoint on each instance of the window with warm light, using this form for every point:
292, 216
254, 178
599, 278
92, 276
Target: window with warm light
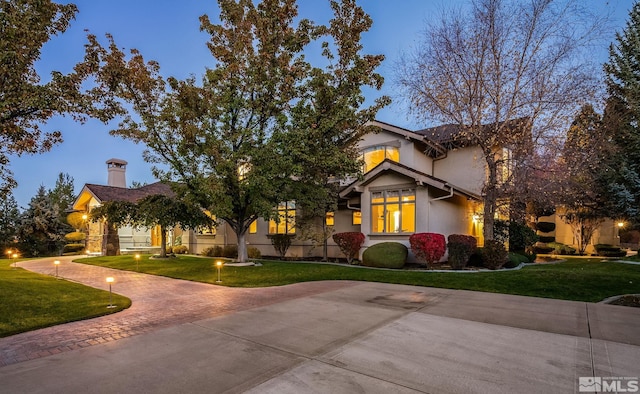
356, 218
287, 219
375, 155
207, 230
253, 227
393, 211
329, 218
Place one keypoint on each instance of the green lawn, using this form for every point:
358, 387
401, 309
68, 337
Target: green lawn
577, 279
29, 301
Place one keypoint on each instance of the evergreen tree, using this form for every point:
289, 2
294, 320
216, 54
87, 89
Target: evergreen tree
622, 114
63, 195
9, 219
40, 232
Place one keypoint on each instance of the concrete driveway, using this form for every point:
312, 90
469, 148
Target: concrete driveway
340, 337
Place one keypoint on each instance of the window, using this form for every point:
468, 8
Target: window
329, 218
393, 211
287, 219
204, 230
253, 227
356, 218
377, 154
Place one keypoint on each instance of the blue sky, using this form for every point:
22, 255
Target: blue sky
168, 31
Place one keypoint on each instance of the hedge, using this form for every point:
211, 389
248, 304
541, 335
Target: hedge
349, 243
545, 227
461, 247
428, 247
385, 255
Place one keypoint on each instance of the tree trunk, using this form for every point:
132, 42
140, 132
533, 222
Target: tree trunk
110, 240
163, 242
490, 199
242, 246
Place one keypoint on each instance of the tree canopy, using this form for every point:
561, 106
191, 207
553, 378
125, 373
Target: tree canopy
231, 141
509, 74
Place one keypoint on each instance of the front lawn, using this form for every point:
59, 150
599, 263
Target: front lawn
577, 279
30, 301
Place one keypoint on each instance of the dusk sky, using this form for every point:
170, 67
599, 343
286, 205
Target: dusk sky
168, 31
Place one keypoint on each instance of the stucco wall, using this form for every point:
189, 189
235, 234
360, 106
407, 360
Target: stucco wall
464, 168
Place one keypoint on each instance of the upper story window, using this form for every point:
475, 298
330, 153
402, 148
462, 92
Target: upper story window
375, 155
393, 211
286, 223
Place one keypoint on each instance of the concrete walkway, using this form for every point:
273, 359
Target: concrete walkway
326, 337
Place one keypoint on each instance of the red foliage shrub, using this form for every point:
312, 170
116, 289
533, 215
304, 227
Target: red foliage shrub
428, 247
461, 247
349, 243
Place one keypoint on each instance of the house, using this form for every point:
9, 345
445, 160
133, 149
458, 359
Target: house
413, 181
116, 190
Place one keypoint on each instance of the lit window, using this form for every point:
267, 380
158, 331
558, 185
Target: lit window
287, 219
208, 230
393, 211
373, 156
329, 219
253, 227
356, 218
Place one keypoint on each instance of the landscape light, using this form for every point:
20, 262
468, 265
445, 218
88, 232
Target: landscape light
110, 280
219, 265
56, 263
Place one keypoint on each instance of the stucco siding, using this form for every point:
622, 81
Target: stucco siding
464, 168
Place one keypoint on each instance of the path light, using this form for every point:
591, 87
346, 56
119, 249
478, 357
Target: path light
110, 280
56, 263
137, 256
620, 224
219, 266
15, 260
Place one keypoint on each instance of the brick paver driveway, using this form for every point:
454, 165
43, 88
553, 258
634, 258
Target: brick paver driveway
157, 302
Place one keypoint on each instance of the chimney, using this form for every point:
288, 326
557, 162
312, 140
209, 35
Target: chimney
116, 169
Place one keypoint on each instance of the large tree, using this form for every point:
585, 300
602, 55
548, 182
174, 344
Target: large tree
26, 103
622, 117
582, 196
331, 118
510, 74
226, 140
40, 232
9, 220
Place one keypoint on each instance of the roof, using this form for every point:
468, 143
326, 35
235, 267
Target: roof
420, 178
111, 193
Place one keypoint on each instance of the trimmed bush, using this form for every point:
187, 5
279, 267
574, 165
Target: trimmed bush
349, 244
475, 260
385, 255
461, 247
281, 243
562, 249
606, 250
180, 249
253, 253
75, 237
494, 255
428, 247
521, 237
547, 239
545, 227
531, 256
230, 251
214, 251
515, 259
73, 248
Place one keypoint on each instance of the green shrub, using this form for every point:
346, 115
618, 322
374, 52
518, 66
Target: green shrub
281, 243
521, 237
214, 251
494, 254
73, 248
606, 250
545, 240
545, 227
230, 251
385, 255
531, 256
475, 260
253, 253
75, 237
461, 247
542, 249
180, 249
562, 249
515, 259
